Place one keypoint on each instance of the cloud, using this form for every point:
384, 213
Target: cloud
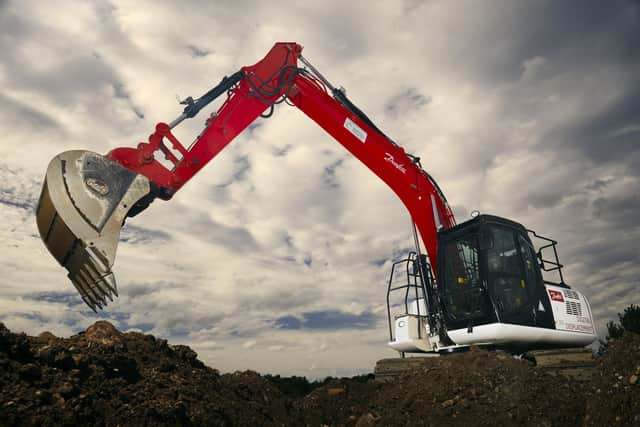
327, 320
533, 67
21, 113
406, 102
67, 298
609, 134
209, 230
197, 52
136, 234
18, 190
288, 322
329, 174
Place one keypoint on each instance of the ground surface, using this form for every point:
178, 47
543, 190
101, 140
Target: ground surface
104, 377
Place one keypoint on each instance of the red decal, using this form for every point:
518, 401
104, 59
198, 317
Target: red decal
556, 296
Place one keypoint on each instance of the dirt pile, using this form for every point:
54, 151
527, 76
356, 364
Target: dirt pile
105, 377
614, 394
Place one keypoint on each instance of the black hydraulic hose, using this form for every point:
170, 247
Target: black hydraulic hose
342, 99
194, 107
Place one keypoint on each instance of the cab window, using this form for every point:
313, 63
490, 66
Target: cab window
464, 295
507, 274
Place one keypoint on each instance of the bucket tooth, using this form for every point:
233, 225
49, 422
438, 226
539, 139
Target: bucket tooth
97, 260
108, 291
110, 280
95, 290
89, 303
84, 201
90, 269
89, 291
84, 293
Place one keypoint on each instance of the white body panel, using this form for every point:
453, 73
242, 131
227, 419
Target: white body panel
407, 337
504, 333
571, 312
418, 304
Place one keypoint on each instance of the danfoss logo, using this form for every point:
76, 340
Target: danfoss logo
389, 158
555, 295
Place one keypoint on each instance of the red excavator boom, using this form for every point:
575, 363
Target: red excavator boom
88, 252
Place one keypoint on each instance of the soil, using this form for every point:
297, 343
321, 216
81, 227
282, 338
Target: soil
103, 377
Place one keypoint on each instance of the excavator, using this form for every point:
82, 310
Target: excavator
478, 283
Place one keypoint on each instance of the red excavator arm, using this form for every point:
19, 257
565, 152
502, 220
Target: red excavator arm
250, 92
259, 87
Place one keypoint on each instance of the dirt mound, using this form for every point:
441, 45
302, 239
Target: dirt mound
614, 394
105, 377
472, 388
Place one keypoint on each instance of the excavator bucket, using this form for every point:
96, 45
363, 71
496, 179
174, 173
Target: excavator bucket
84, 202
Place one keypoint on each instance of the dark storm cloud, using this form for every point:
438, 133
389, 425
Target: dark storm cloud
612, 134
22, 114
593, 31
308, 260
18, 189
607, 249
137, 289
288, 240
599, 184
378, 262
34, 315
253, 127
175, 320
622, 212
180, 323
408, 6
406, 102
327, 320
136, 234
74, 74
281, 151
299, 295
288, 322
15, 204
401, 252
14, 27
242, 167
121, 92
104, 10
568, 34
197, 52
237, 239
70, 299
66, 82
329, 174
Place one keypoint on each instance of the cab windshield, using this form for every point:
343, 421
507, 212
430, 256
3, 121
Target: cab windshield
510, 270
490, 274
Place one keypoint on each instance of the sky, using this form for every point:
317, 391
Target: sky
276, 256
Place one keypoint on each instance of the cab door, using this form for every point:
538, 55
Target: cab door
464, 295
513, 277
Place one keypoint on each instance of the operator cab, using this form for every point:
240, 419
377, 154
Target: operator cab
490, 291
489, 273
